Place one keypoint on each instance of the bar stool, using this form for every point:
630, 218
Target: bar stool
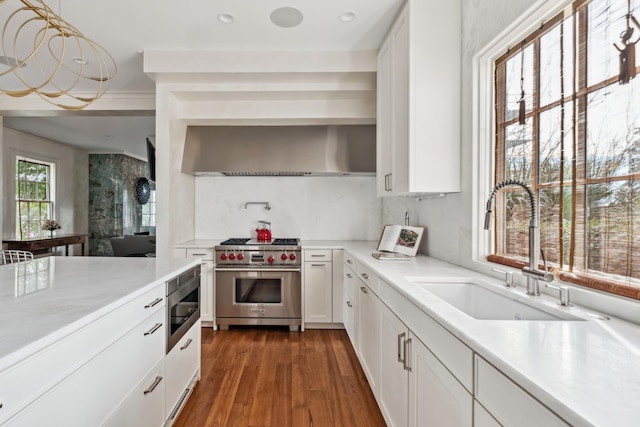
13, 256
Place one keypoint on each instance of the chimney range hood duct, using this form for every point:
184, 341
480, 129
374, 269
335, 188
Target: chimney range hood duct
318, 150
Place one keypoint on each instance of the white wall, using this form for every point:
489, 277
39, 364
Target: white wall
311, 208
448, 220
72, 179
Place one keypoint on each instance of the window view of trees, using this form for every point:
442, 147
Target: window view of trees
578, 146
33, 198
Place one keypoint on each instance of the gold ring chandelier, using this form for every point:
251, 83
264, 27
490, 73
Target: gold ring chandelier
44, 54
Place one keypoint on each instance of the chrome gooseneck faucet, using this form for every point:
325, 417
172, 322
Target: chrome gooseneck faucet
531, 272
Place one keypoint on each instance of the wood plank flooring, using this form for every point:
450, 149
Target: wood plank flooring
276, 378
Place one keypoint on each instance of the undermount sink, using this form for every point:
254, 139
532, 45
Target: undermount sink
484, 304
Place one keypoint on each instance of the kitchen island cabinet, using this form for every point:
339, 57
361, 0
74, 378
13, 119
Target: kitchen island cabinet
87, 332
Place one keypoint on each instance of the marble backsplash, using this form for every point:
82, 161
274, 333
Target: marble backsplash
311, 208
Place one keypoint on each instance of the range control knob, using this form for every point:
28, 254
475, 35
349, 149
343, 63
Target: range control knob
270, 259
283, 257
240, 257
292, 257
223, 257
232, 257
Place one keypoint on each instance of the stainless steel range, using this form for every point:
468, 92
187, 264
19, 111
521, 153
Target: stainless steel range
258, 283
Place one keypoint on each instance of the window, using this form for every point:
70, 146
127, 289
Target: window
149, 212
34, 200
568, 124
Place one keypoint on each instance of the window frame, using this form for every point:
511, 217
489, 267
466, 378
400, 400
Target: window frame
52, 187
484, 137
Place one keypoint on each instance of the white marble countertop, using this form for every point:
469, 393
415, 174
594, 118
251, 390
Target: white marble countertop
588, 372
46, 299
199, 244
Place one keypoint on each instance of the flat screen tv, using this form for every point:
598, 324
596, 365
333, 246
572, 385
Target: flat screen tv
151, 160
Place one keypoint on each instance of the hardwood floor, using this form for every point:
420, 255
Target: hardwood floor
276, 378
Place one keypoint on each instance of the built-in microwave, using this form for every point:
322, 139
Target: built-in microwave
183, 305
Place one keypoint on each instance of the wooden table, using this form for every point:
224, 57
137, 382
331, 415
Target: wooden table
45, 245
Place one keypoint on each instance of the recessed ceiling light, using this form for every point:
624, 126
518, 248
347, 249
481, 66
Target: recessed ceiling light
226, 18
286, 17
11, 61
348, 16
80, 61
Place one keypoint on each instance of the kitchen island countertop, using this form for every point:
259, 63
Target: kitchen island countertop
49, 298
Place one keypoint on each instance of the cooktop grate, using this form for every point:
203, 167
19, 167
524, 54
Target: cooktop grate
275, 242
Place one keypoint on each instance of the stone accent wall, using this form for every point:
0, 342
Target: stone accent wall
113, 209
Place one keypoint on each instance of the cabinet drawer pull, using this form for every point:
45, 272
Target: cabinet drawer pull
318, 265
400, 339
317, 256
154, 302
349, 276
0, 405
407, 350
365, 276
153, 386
363, 289
187, 344
349, 304
152, 330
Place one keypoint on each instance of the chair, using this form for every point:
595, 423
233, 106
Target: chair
13, 256
132, 246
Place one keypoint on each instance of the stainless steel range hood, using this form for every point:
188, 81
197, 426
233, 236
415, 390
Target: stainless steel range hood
280, 150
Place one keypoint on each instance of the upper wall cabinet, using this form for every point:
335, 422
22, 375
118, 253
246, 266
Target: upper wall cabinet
418, 89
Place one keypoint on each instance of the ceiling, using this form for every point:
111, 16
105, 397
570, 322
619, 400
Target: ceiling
126, 29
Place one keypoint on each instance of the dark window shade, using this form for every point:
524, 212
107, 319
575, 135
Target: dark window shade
578, 149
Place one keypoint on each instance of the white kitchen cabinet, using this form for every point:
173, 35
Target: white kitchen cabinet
25, 381
350, 318
207, 278
318, 292
394, 377
337, 268
507, 402
182, 369
481, 418
100, 385
418, 117
369, 334
384, 135
350, 305
322, 281
436, 398
144, 407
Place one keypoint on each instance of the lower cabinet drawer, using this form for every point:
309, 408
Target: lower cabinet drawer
205, 254
144, 407
24, 382
89, 395
508, 402
311, 255
181, 364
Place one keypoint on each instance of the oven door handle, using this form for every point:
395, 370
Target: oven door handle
261, 270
